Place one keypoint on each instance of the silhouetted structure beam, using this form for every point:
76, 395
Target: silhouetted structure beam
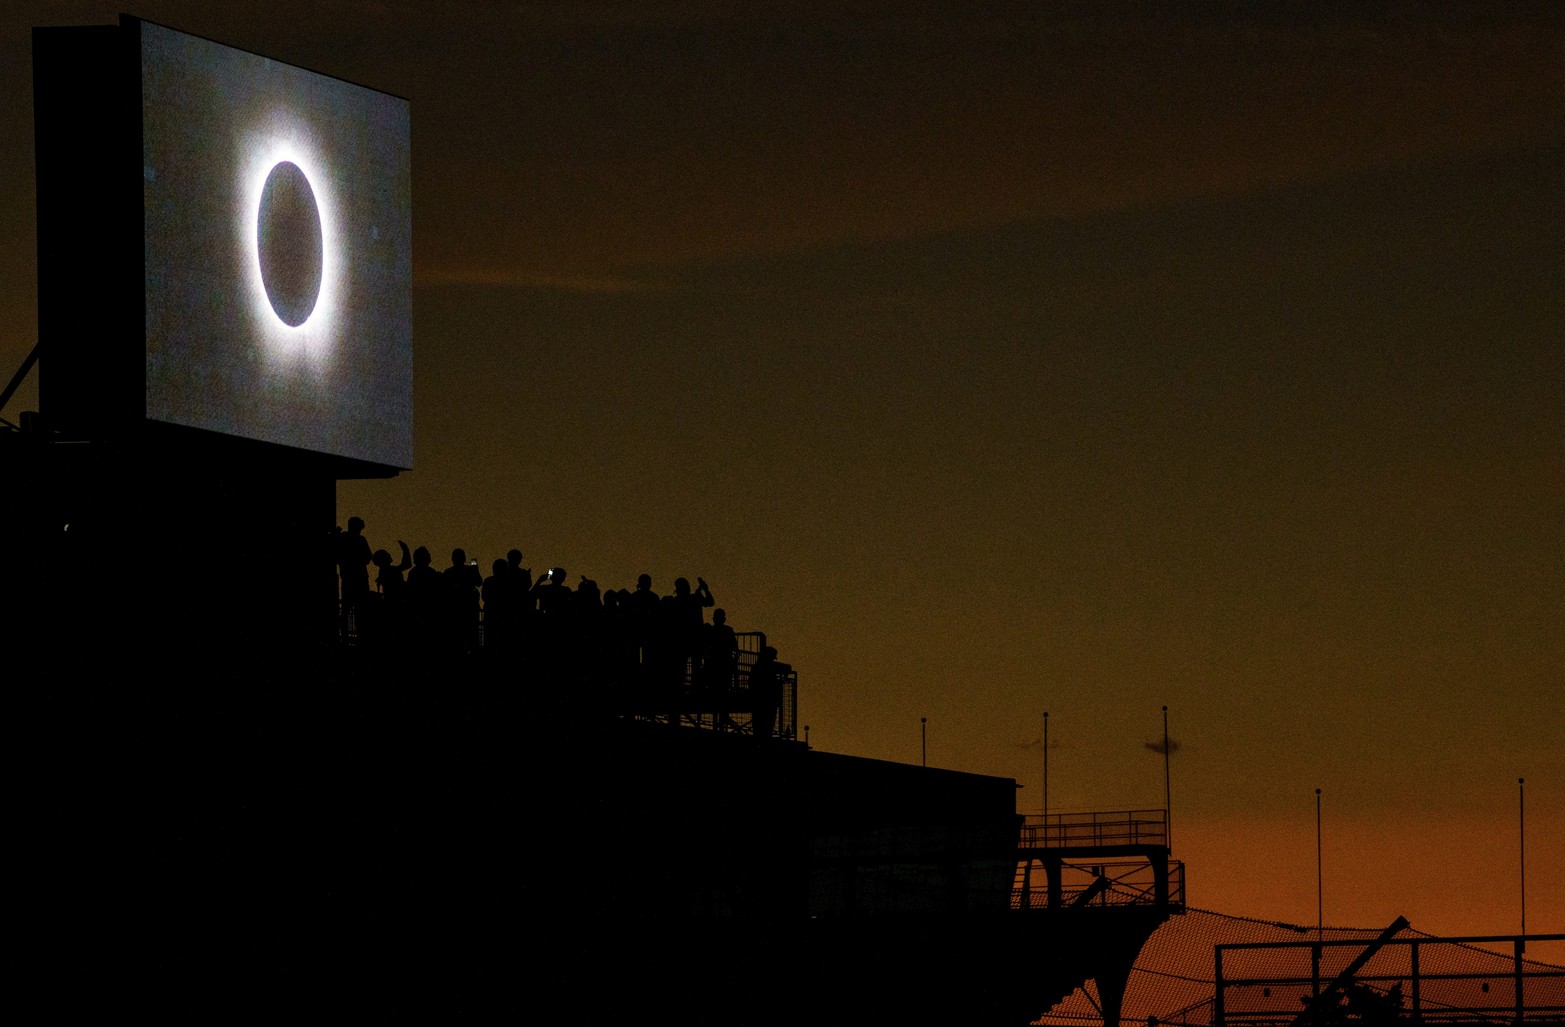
19, 377
1328, 994
1099, 885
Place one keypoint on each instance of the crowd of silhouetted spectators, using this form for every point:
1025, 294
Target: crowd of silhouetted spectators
658, 654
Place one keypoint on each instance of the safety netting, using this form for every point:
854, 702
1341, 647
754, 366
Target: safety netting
1368, 975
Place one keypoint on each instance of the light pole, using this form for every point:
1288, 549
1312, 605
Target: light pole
1168, 789
1320, 902
1521, 809
1046, 774
923, 741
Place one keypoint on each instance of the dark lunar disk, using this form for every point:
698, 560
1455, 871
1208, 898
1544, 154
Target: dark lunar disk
289, 241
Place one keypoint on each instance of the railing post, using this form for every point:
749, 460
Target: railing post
1217, 979
1519, 943
1315, 984
1418, 1004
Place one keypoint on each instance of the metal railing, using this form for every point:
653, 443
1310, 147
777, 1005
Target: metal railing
1401, 979
728, 706
1095, 830
721, 703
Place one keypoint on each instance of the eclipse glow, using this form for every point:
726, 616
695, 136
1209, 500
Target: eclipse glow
284, 140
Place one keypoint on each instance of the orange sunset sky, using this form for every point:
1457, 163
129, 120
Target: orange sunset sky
997, 358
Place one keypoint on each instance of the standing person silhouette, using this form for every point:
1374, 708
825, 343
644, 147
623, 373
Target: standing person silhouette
521, 603
680, 639
766, 679
391, 609
686, 616
388, 578
424, 594
463, 583
720, 653
553, 621
642, 616
353, 567
719, 656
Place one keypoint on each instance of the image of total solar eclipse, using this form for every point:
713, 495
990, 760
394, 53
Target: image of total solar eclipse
278, 243
288, 243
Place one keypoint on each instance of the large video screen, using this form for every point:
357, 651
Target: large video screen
278, 248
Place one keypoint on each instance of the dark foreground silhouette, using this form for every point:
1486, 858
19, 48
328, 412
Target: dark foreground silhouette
616, 652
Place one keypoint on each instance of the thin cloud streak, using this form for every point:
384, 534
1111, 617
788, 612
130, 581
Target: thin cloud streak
898, 132
513, 278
